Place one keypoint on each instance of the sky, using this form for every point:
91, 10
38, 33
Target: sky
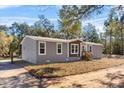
29, 14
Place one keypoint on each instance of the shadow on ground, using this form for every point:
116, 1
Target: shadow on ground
24, 80
8, 66
114, 80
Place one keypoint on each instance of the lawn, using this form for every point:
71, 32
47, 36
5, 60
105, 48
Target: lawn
2, 58
69, 68
7, 58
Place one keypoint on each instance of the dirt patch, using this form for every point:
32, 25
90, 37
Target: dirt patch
70, 68
13, 76
110, 77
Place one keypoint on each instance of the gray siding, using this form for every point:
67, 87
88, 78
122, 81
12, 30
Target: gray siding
51, 55
29, 50
97, 51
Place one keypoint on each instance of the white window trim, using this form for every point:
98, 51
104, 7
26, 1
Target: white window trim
39, 48
57, 49
74, 48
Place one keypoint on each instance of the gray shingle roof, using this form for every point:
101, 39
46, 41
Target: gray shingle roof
58, 40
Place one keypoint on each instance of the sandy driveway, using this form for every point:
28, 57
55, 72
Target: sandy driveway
12, 76
110, 77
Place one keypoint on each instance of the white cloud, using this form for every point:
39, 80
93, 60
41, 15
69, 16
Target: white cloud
94, 20
8, 6
53, 19
59, 6
19, 18
98, 23
9, 20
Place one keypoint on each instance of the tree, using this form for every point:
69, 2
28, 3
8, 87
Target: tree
3, 28
114, 30
122, 32
111, 26
43, 27
5, 41
13, 47
119, 10
85, 11
19, 30
69, 29
90, 33
71, 17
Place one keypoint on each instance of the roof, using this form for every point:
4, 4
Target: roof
58, 40
92, 43
49, 39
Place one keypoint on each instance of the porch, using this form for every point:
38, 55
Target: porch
77, 49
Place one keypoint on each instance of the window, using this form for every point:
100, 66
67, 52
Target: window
42, 48
90, 49
74, 48
83, 48
59, 48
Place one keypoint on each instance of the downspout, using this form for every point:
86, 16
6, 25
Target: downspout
68, 50
80, 49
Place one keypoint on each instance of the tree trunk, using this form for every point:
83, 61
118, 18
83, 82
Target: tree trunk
105, 44
118, 49
11, 56
110, 43
122, 42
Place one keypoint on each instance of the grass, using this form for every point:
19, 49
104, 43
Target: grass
69, 68
3, 58
7, 58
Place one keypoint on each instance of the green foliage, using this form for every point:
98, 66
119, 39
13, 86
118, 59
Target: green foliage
5, 41
114, 32
68, 28
43, 27
18, 31
71, 16
91, 34
3, 28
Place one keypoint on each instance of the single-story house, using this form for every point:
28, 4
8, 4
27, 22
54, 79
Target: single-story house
38, 50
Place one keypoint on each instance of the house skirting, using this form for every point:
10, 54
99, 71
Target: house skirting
73, 58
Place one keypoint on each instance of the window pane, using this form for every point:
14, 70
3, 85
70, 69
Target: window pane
76, 46
42, 51
73, 50
42, 45
59, 46
59, 50
90, 49
72, 46
76, 50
